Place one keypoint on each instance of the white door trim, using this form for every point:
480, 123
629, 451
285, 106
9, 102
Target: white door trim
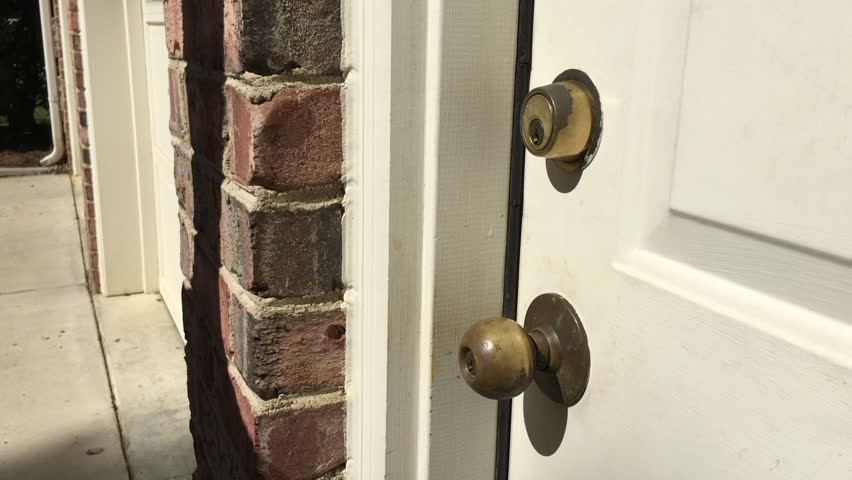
428, 126
116, 98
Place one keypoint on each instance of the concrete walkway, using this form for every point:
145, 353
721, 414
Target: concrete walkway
58, 416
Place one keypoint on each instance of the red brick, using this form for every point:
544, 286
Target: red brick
232, 35
300, 444
299, 441
282, 253
177, 105
76, 43
83, 132
94, 277
173, 13
288, 352
81, 98
225, 331
292, 141
187, 250
72, 6
74, 21
92, 237
183, 182
87, 176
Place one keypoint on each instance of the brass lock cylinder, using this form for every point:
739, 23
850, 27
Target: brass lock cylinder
562, 121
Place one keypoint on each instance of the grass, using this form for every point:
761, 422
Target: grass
41, 115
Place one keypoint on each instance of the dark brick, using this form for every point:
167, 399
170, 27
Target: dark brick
282, 253
202, 29
284, 36
207, 204
292, 141
286, 353
205, 286
205, 104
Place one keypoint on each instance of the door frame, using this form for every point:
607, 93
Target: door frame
420, 177
120, 144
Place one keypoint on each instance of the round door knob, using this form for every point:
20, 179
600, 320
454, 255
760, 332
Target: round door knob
497, 358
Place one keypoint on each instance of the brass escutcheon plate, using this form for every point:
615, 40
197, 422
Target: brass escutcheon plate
567, 377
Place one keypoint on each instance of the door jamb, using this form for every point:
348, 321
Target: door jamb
523, 65
122, 174
408, 181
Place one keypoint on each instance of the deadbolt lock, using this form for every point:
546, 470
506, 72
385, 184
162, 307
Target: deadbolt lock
562, 121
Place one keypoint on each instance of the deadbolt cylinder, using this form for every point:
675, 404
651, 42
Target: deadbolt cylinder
557, 120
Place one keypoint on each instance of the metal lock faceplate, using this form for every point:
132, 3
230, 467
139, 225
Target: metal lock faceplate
566, 375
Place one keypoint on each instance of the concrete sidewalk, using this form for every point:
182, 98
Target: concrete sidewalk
58, 418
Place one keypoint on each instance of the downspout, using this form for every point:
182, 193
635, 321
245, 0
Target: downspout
50, 77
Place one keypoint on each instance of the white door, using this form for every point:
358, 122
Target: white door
168, 229
708, 247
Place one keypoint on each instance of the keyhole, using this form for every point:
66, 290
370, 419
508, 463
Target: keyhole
469, 362
536, 132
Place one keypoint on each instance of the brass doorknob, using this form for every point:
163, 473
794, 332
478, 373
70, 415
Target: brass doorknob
499, 358
562, 121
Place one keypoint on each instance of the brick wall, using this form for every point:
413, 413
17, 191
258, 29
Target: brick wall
56, 35
256, 121
80, 119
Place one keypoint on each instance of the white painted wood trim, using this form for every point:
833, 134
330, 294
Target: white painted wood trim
425, 217
367, 27
107, 77
134, 18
